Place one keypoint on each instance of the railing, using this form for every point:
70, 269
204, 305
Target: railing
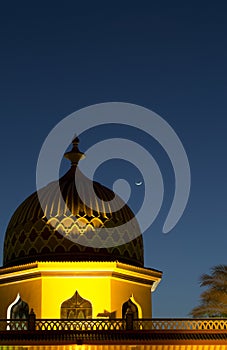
80, 325
180, 324
33, 324
13, 325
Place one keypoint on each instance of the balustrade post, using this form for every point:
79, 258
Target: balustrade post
129, 320
31, 320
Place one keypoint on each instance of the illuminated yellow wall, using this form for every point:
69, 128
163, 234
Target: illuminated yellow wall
58, 289
30, 292
122, 290
107, 285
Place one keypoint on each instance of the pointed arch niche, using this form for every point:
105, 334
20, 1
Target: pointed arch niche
133, 307
76, 308
17, 310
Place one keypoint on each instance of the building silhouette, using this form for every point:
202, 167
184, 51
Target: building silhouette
73, 275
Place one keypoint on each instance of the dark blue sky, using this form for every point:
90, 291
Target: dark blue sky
170, 57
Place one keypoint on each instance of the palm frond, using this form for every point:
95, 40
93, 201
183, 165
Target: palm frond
213, 301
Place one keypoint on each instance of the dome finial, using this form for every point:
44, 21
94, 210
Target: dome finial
74, 155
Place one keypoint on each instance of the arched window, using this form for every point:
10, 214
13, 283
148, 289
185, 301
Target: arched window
129, 307
20, 310
76, 307
17, 310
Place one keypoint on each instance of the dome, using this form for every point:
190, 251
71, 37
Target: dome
46, 233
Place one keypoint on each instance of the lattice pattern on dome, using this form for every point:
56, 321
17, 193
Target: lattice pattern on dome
40, 241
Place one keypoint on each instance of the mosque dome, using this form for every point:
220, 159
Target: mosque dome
49, 232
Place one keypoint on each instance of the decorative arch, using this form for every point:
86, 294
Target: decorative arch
20, 310
76, 308
11, 305
140, 315
130, 307
17, 310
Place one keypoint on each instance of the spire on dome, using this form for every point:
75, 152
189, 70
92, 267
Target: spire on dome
74, 155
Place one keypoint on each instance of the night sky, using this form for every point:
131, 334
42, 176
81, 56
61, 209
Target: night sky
170, 57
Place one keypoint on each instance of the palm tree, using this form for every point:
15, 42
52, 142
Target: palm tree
213, 302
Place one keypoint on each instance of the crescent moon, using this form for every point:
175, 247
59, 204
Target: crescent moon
139, 183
